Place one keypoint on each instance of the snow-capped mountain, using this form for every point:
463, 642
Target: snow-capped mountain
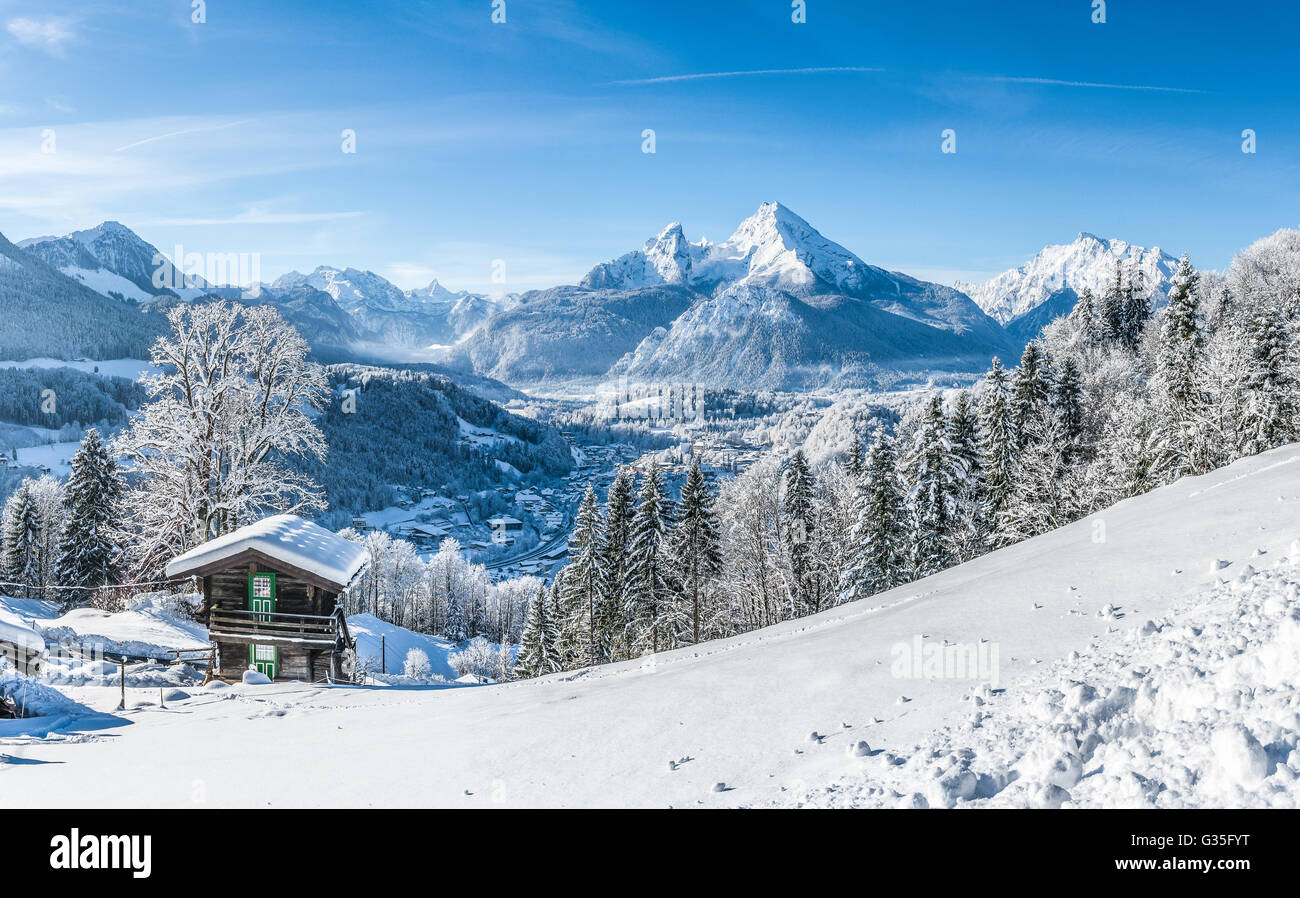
52, 314
777, 305
1026, 298
385, 314
113, 260
354, 290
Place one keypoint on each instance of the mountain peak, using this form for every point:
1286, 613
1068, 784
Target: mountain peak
1058, 272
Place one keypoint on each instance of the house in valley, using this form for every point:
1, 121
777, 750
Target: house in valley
271, 599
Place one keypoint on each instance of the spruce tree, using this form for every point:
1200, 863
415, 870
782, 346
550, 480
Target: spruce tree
1136, 307
1068, 397
853, 464
880, 532
1270, 404
998, 439
1084, 315
22, 544
1178, 360
585, 584
970, 524
797, 511
1043, 498
88, 556
612, 624
1112, 310
538, 645
648, 590
1029, 390
933, 478
696, 545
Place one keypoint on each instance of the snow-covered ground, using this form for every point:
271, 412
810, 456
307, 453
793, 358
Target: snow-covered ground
55, 456
1132, 598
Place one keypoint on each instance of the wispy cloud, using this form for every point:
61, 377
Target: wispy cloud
47, 35
254, 216
1056, 82
699, 76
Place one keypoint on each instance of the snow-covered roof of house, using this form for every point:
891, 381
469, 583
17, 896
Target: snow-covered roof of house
287, 538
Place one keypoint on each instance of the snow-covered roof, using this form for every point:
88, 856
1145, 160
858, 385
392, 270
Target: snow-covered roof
285, 537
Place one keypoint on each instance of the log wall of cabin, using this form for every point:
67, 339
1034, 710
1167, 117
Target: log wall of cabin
310, 664
229, 589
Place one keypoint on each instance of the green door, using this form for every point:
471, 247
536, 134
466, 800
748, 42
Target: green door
261, 601
264, 659
261, 595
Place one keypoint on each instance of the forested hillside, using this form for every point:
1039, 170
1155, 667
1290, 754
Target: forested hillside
405, 429
49, 314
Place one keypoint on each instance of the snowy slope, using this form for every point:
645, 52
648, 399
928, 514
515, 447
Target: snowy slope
1058, 273
376, 638
742, 712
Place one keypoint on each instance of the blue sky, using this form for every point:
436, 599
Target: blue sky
522, 141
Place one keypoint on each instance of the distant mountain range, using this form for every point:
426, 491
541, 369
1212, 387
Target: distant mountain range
1025, 299
777, 305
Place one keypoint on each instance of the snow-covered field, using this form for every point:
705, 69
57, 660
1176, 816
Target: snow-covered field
131, 369
1146, 655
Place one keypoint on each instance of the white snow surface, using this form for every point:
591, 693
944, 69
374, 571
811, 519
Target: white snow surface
289, 538
1132, 675
105, 282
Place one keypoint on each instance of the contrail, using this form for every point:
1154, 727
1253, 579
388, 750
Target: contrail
664, 79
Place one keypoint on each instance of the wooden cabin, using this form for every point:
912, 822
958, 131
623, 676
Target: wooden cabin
271, 599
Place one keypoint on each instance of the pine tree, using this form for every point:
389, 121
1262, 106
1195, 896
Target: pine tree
797, 510
648, 590
1271, 404
1136, 306
22, 544
538, 645
88, 556
934, 479
454, 628
880, 532
1112, 310
1068, 397
1084, 315
853, 464
696, 545
1029, 390
1178, 360
998, 439
1044, 497
970, 523
585, 584
612, 625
